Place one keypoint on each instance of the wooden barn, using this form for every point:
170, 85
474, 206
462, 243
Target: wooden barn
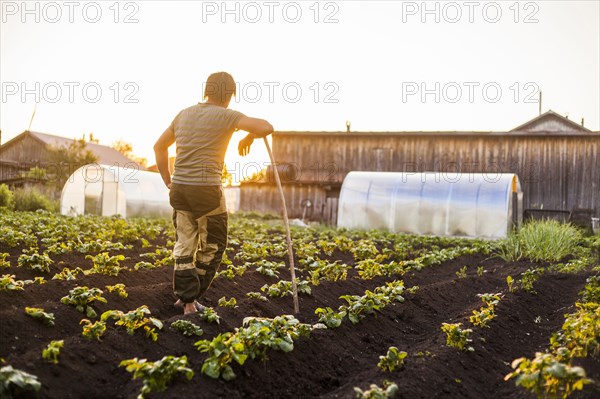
31, 149
556, 159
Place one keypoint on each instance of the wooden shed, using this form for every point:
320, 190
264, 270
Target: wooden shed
557, 161
30, 149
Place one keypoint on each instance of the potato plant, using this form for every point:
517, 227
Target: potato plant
16, 383
4, 264
32, 260
250, 341
329, 317
82, 297
257, 295
389, 390
486, 313
580, 331
393, 360
39, 314
8, 283
187, 328
157, 375
68, 274
50, 354
231, 303
92, 330
134, 320
118, 289
457, 337
547, 377
329, 271
210, 315
105, 264
359, 306
529, 277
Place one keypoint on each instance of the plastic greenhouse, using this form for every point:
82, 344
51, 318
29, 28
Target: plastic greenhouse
468, 204
109, 190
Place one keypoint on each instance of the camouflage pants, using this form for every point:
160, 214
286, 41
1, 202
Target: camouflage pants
200, 219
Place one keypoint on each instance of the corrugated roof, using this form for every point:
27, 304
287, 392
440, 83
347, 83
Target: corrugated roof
106, 155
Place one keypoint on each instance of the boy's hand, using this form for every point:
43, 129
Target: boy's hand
244, 145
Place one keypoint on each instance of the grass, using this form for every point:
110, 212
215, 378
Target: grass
540, 241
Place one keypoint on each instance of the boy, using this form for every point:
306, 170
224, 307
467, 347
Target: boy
202, 133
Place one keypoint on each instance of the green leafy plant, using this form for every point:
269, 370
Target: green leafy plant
157, 375
591, 291
8, 283
371, 301
389, 390
329, 317
257, 295
547, 377
486, 313
393, 360
269, 268
93, 330
457, 337
106, 264
529, 277
580, 331
509, 249
118, 289
250, 341
480, 271
32, 260
187, 328
283, 288
50, 354
4, 264
82, 297
210, 315
510, 281
462, 272
68, 274
134, 320
231, 303
39, 314
144, 265
548, 240
15, 383
322, 270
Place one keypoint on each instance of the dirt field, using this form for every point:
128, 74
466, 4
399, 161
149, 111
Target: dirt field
329, 364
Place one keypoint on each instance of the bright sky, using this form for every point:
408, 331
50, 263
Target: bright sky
305, 65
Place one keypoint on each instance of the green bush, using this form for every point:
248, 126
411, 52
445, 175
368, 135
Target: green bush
6, 197
549, 240
543, 240
31, 199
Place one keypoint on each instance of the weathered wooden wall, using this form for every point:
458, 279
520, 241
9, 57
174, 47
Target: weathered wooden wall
15, 157
556, 170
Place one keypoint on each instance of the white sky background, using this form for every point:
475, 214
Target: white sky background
366, 61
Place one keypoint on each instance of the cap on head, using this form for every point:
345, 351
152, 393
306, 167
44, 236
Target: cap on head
219, 88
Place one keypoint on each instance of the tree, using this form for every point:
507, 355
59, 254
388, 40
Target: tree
126, 149
66, 159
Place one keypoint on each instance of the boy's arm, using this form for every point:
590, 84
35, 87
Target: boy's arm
161, 151
256, 128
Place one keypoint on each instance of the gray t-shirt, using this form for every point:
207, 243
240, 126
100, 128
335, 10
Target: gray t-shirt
202, 134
